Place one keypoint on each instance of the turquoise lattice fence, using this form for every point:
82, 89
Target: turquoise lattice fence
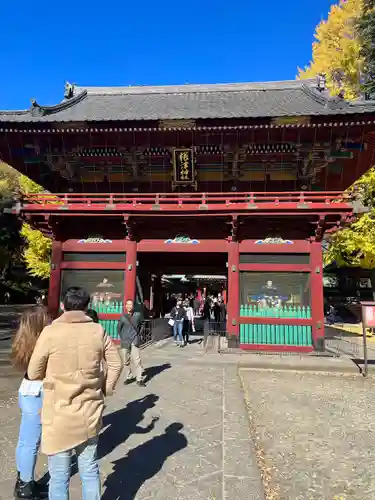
111, 327
256, 311
294, 335
115, 307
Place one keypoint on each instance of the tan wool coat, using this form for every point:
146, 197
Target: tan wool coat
68, 358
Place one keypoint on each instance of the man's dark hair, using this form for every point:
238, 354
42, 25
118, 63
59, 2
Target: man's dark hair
76, 299
91, 313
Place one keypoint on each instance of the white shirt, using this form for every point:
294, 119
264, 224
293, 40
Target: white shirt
190, 314
30, 387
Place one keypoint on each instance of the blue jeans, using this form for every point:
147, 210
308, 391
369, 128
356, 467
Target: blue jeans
177, 330
59, 470
29, 436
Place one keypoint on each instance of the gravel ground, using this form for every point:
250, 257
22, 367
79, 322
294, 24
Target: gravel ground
315, 434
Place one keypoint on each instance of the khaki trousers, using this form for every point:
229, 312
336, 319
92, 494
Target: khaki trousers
132, 356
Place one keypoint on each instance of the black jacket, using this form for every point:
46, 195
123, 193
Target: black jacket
178, 313
129, 328
211, 312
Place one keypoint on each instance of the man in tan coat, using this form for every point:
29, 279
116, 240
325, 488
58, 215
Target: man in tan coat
68, 357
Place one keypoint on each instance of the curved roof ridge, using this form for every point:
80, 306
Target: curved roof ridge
65, 104
319, 97
192, 88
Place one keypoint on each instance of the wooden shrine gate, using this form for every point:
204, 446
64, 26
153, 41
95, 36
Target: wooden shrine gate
275, 285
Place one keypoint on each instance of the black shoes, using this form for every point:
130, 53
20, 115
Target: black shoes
30, 491
140, 383
41, 490
25, 491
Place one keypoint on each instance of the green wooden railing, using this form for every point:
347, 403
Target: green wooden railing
109, 325
115, 307
296, 335
268, 334
257, 311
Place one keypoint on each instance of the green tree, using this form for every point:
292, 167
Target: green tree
337, 50
10, 240
366, 33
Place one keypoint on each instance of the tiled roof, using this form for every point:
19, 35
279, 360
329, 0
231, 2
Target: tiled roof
239, 100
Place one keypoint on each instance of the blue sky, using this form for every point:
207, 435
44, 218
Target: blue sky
126, 42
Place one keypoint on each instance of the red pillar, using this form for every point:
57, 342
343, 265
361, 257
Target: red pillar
317, 300
233, 304
131, 270
55, 279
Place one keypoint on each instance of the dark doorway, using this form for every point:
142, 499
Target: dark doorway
163, 276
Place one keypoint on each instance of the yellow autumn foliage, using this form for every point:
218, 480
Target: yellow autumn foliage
336, 50
354, 246
37, 253
38, 248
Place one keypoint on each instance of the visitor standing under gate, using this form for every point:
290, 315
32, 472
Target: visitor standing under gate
130, 327
178, 315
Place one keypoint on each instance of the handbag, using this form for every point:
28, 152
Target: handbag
171, 322
136, 333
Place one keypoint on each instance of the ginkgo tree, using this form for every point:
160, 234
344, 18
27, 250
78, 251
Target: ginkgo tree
337, 50
37, 251
354, 245
19, 241
366, 33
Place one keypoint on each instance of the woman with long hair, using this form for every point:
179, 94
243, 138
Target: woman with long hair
31, 325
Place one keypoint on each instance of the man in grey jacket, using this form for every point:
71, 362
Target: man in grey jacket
129, 330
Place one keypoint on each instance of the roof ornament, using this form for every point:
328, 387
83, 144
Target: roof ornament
321, 82
36, 110
68, 90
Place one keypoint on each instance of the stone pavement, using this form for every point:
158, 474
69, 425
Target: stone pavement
183, 437
315, 433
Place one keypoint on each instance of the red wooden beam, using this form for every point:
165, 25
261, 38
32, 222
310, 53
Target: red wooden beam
209, 246
93, 265
289, 268
188, 202
309, 213
116, 246
298, 246
182, 208
317, 300
106, 316
54, 282
131, 271
233, 305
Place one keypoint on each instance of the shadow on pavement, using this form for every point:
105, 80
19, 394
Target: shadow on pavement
142, 463
121, 424
153, 371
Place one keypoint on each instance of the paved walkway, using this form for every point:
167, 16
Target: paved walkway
315, 433
184, 437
